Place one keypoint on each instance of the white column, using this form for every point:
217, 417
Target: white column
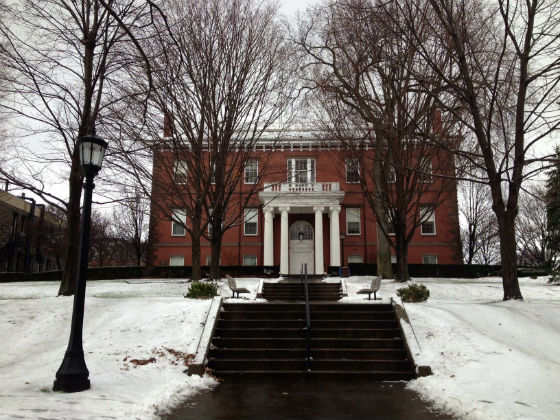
268, 235
319, 265
335, 236
284, 238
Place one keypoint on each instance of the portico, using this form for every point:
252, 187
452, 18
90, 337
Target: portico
301, 242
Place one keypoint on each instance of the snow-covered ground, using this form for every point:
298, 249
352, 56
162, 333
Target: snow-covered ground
491, 359
123, 322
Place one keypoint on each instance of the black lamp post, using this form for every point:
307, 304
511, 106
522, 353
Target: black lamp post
342, 236
73, 374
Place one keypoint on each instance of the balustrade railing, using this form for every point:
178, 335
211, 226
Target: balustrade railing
303, 187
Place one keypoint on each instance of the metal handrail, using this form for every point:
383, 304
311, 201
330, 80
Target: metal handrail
307, 317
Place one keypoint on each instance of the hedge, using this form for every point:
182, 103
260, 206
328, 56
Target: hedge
415, 270
135, 272
448, 270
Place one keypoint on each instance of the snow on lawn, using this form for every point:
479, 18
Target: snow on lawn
123, 321
491, 359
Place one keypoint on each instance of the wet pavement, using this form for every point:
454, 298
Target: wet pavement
305, 398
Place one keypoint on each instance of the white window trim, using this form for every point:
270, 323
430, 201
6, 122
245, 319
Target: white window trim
358, 169
255, 218
311, 175
356, 256
426, 177
250, 256
432, 218
359, 221
430, 255
176, 256
183, 173
245, 172
173, 222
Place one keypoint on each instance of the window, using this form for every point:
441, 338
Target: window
180, 171
252, 172
429, 259
353, 221
178, 222
355, 259
209, 260
393, 259
177, 260
251, 222
426, 175
213, 174
249, 260
210, 226
301, 171
428, 219
352, 171
391, 175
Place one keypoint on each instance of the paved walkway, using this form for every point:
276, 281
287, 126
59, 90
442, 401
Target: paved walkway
306, 398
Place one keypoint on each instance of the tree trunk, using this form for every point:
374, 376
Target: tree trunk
67, 285
401, 250
195, 248
384, 267
216, 244
508, 252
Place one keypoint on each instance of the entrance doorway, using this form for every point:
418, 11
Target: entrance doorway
301, 247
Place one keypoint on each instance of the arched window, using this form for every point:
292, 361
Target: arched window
302, 231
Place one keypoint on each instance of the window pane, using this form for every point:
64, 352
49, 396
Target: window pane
429, 224
251, 172
353, 221
250, 260
177, 260
180, 171
179, 218
352, 171
251, 221
429, 259
355, 259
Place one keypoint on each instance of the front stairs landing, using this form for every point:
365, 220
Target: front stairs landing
293, 290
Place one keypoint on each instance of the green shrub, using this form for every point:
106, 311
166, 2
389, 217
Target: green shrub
201, 289
414, 293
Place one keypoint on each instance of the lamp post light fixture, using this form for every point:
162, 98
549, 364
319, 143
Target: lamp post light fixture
73, 374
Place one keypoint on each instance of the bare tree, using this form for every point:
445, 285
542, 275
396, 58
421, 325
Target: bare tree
221, 73
130, 227
504, 70
364, 80
61, 58
480, 234
102, 241
532, 233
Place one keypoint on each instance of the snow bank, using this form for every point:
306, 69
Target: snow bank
123, 321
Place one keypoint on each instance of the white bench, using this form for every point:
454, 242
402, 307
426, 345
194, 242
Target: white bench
374, 288
233, 286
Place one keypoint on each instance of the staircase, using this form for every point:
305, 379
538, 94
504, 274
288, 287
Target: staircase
356, 340
293, 290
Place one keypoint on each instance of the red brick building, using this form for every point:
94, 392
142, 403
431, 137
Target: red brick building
308, 208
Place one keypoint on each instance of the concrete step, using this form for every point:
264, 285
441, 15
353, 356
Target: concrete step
301, 364
295, 342
316, 306
363, 375
300, 323
315, 315
316, 354
300, 332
